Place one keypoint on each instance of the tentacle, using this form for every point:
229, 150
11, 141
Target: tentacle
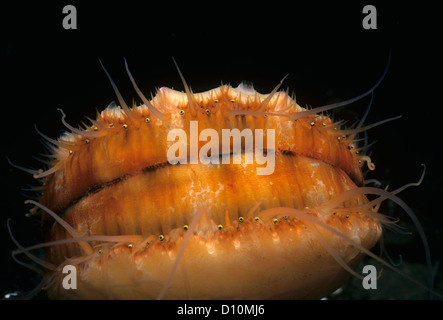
84, 133
60, 144
358, 130
365, 147
84, 245
303, 114
371, 165
122, 102
386, 194
119, 239
30, 171
192, 106
37, 260
162, 116
195, 220
383, 250
41, 174
262, 106
376, 182
362, 120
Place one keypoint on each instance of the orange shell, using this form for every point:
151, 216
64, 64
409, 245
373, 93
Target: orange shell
115, 180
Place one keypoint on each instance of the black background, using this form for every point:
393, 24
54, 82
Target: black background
322, 45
